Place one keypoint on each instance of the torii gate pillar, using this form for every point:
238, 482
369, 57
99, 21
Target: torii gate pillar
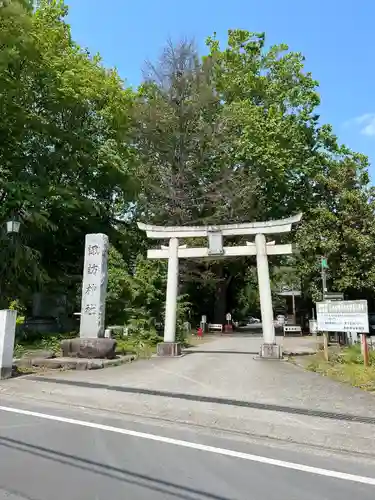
269, 348
215, 250
172, 290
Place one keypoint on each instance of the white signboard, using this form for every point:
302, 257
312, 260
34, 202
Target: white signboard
229, 316
342, 316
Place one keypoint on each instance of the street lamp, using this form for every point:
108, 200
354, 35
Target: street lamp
13, 226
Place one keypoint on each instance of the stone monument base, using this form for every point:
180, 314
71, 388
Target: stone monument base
271, 351
89, 348
169, 349
6, 372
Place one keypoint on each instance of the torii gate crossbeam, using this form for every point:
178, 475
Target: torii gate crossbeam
216, 250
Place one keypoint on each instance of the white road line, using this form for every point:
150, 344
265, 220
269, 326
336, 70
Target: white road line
196, 446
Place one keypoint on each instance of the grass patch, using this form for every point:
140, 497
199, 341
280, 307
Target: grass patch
142, 346
44, 342
142, 349
193, 340
346, 365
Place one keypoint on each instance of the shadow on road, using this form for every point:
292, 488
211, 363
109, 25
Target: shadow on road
166, 487
196, 351
254, 333
210, 399
239, 334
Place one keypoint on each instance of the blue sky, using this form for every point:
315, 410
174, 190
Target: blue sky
337, 38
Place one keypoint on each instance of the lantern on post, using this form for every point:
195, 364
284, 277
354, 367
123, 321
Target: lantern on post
13, 226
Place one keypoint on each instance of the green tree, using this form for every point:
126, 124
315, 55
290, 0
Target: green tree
65, 158
271, 106
187, 167
299, 165
186, 163
341, 226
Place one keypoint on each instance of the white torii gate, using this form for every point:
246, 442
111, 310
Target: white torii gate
215, 250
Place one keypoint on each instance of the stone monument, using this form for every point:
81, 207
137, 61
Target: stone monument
7, 336
94, 286
91, 342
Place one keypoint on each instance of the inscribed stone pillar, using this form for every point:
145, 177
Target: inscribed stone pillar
94, 286
7, 336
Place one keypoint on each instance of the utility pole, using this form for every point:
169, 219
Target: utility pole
324, 266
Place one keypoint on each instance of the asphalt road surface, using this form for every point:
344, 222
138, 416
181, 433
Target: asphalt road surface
53, 452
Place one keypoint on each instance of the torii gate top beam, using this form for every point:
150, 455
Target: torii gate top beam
268, 227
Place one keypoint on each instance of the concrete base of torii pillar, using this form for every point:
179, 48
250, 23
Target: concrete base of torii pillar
169, 349
270, 351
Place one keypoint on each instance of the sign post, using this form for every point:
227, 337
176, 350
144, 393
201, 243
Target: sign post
325, 346
365, 350
324, 267
313, 327
228, 327
203, 324
343, 316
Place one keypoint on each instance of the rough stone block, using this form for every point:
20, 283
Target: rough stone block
95, 364
169, 349
79, 364
271, 351
89, 348
54, 363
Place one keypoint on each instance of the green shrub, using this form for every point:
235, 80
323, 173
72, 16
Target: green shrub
183, 315
352, 355
34, 341
15, 305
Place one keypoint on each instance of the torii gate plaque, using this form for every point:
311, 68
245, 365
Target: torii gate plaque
215, 249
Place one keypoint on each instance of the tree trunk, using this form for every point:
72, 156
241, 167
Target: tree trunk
220, 303
220, 307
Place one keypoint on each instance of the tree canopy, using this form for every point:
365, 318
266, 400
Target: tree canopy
64, 162
230, 136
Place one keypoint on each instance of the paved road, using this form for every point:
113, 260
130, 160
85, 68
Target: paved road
220, 385
44, 458
252, 412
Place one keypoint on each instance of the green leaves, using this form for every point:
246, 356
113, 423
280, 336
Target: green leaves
230, 137
297, 164
63, 151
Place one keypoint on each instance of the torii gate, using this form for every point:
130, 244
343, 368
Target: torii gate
215, 249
